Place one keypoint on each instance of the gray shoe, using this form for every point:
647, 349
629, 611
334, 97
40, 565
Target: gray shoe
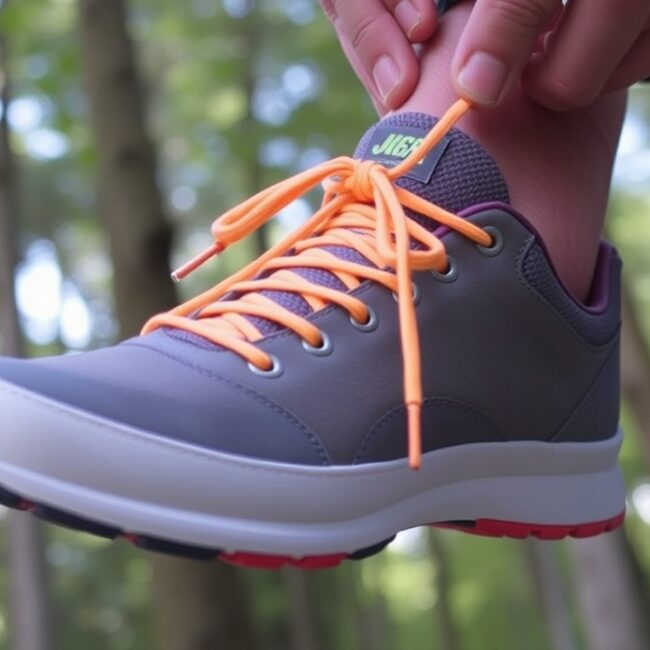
182, 445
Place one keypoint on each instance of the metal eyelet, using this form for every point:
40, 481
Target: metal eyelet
370, 325
274, 371
416, 294
321, 350
497, 242
450, 274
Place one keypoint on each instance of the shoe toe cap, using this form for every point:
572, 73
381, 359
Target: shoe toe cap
141, 388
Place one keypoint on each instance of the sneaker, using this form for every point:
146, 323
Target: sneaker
406, 357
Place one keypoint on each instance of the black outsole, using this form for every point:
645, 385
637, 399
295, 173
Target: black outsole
11, 500
165, 547
369, 551
54, 515
61, 518
462, 523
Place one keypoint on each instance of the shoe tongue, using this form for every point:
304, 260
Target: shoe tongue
456, 174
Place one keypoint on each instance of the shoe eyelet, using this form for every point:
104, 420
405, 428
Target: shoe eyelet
322, 350
450, 274
497, 242
416, 294
370, 325
274, 371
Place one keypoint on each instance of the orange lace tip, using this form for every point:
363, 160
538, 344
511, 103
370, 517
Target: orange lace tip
187, 268
415, 436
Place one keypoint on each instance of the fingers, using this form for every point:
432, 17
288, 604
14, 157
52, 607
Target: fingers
634, 66
374, 38
591, 41
360, 71
417, 18
496, 45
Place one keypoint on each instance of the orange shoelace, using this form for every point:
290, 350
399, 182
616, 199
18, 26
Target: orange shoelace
363, 210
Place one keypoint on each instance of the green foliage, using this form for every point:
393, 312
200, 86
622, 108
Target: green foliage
235, 102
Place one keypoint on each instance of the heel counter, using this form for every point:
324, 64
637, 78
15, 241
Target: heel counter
596, 417
597, 320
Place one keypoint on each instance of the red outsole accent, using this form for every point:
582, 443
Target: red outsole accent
26, 505
515, 530
257, 561
483, 527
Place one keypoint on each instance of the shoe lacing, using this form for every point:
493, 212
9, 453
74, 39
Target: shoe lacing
363, 210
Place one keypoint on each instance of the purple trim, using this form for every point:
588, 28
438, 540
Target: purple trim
599, 294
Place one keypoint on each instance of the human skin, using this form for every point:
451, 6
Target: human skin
557, 164
565, 58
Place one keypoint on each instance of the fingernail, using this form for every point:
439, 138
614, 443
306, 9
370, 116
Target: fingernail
407, 16
483, 77
386, 75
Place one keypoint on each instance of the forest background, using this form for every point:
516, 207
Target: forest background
125, 127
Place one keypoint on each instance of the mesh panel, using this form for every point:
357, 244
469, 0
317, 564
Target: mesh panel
596, 329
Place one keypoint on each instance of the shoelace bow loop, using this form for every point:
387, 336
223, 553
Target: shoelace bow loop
362, 209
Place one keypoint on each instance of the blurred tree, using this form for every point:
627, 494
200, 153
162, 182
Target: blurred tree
201, 606
443, 610
551, 593
636, 371
130, 202
607, 585
301, 611
29, 604
11, 339
243, 92
197, 606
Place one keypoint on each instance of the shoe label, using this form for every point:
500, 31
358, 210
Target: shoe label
390, 145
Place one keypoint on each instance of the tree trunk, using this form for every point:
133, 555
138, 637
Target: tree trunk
610, 586
551, 594
375, 632
607, 583
10, 339
636, 372
301, 610
200, 606
444, 617
252, 34
130, 201
30, 619
197, 606
30, 622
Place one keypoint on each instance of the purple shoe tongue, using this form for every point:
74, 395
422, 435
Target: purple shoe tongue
457, 174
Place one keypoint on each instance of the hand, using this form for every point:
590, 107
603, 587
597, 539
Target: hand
377, 37
568, 56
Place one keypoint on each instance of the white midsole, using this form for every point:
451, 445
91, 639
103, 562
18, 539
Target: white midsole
139, 482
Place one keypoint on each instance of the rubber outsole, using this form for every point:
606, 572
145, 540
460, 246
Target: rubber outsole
483, 527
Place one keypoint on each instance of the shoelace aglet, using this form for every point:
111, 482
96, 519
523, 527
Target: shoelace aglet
413, 411
187, 268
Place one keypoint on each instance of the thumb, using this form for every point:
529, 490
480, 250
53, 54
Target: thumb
496, 45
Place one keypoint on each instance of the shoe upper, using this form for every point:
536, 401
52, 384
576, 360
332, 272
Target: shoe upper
506, 352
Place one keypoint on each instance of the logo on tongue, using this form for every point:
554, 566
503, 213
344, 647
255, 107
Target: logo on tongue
390, 145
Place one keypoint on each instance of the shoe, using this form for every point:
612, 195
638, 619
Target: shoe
406, 357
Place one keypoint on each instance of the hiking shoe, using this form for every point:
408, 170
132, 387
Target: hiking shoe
406, 357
